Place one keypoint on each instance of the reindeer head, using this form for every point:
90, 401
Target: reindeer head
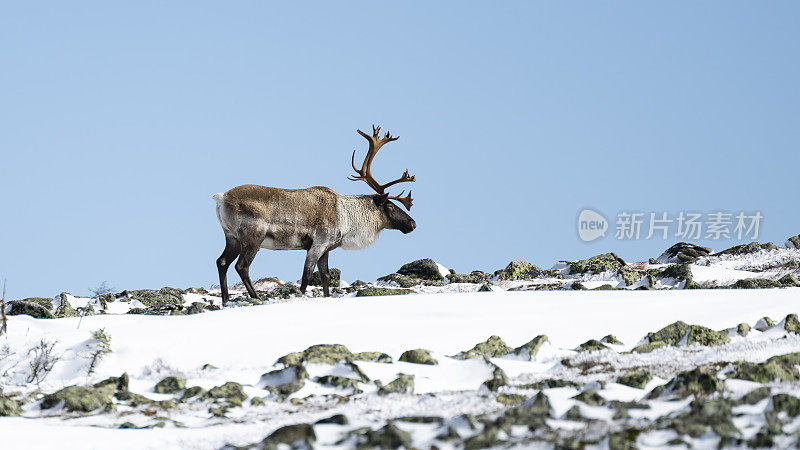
396, 217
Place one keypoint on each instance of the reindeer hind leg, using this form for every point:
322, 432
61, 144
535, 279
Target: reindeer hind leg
230, 253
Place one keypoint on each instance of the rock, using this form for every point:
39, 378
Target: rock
295, 436
756, 283
793, 242
611, 339
151, 298
764, 324
485, 287
591, 345
387, 437
705, 336
9, 407
531, 412
510, 399
520, 270
403, 281
636, 379
679, 272
340, 382
418, 356
373, 357
196, 308
597, 264
700, 382
531, 348
683, 252
375, 291
498, 379
755, 396
403, 384
286, 381
170, 385
81, 398
335, 274
748, 248
230, 392
194, 290
65, 309
605, 287
780, 367
193, 391
492, 347
338, 419
649, 347
320, 353
789, 280
577, 286
30, 307
476, 277
591, 398
426, 269
786, 403
742, 329
704, 414
672, 334
284, 291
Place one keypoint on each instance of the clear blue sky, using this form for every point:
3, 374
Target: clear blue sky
119, 121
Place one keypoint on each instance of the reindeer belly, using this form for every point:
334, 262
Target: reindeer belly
286, 239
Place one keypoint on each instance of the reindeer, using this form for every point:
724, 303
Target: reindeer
314, 219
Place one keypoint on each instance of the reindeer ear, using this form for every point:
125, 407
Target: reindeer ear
380, 199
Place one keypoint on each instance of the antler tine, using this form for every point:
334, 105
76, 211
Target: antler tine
407, 201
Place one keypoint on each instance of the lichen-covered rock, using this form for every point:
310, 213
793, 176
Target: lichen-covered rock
340, 382
335, 274
683, 252
637, 379
404, 281
485, 287
791, 324
780, 367
672, 334
193, 391
793, 242
705, 336
789, 280
648, 347
284, 291
755, 396
520, 270
418, 356
320, 353
611, 339
700, 382
170, 385
679, 272
577, 286
9, 406
531, 348
591, 345
286, 381
498, 379
196, 308
372, 357
426, 269
29, 307
748, 248
742, 329
337, 419
151, 298
403, 384
81, 398
591, 398
597, 264
65, 309
630, 276
294, 436
532, 412
475, 277
492, 347
230, 392
376, 291
756, 283
704, 414
786, 403
389, 436
764, 324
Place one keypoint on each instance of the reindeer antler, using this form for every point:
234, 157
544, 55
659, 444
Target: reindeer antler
363, 174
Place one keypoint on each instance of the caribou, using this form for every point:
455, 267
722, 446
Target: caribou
314, 219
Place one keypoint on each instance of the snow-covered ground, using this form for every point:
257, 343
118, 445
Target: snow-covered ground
487, 397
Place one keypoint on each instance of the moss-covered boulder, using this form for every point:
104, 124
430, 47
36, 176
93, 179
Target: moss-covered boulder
789, 280
591, 397
533, 412
499, 378
377, 291
284, 291
591, 345
786, 403
672, 334
193, 391
704, 414
635, 378
648, 347
611, 340
630, 276
700, 382
678, 272
403, 384
337, 419
33, 307
519, 270
425, 269
9, 406
742, 329
418, 356
793, 242
64, 309
335, 274
404, 281
577, 286
293, 436
791, 324
748, 248
597, 264
286, 381
705, 336
340, 382
780, 368
755, 396
529, 349
81, 398
329, 354
684, 252
756, 283
230, 393
170, 385
492, 347
474, 277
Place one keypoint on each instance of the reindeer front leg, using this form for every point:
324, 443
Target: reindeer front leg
312, 256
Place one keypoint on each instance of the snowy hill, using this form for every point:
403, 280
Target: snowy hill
663, 353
